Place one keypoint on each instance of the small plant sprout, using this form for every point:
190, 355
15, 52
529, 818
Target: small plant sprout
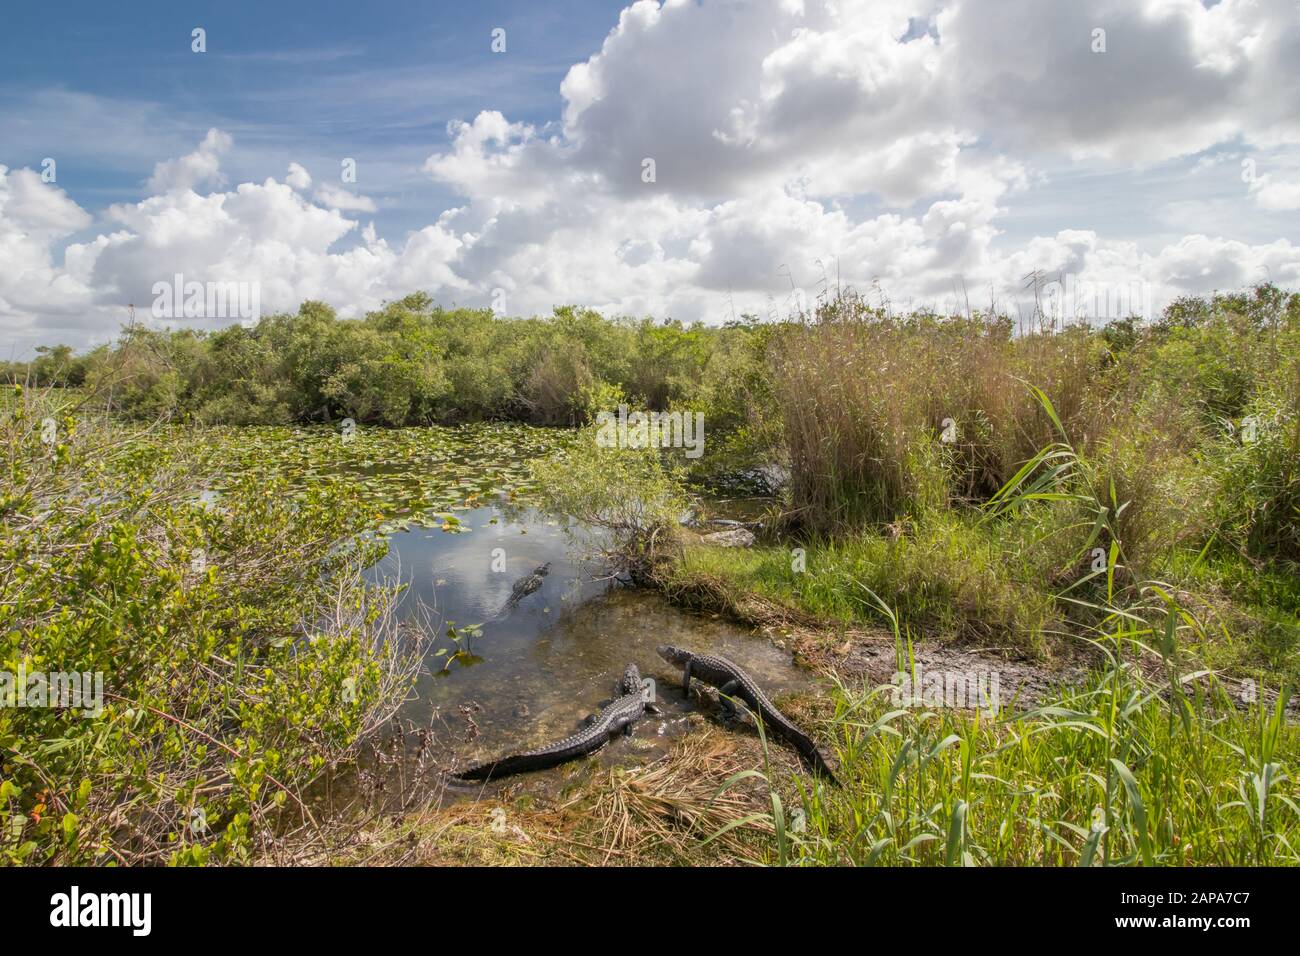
461, 645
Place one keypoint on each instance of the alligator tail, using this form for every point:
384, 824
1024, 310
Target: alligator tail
505, 767
815, 758
822, 765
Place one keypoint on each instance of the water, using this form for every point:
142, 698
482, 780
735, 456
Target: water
535, 670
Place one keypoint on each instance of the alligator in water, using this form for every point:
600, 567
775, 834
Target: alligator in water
524, 587
616, 717
731, 681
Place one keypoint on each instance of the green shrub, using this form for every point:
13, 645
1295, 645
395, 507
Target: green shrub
1258, 500
240, 654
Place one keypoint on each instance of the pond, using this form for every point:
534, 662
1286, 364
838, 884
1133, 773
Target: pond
459, 514
532, 670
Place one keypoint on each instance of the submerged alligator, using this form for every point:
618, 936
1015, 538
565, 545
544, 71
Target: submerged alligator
524, 587
616, 717
731, 681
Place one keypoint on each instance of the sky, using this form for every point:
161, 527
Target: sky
696, 160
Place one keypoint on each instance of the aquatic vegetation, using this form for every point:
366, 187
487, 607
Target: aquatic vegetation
407, 477
632, 495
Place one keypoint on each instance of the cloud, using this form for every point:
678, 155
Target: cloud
199, 168
335, 197
298, 177
1275, 195
34, 218
796, 145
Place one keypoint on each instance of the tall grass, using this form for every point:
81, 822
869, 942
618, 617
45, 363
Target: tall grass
1150, 762
1142, 766
859, 391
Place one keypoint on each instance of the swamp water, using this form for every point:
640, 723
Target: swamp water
517, 677
455, 505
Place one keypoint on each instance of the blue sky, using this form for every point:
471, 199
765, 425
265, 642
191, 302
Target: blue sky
922, 146
305, 82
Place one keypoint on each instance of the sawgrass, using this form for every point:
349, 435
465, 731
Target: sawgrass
1125, 771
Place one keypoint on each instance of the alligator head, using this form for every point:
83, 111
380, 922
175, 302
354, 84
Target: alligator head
674, 655
631, 682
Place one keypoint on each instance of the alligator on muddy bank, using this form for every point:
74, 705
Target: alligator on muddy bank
732, 682
616, 717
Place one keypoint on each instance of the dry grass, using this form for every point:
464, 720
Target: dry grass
673, 811
859, 392
665, 812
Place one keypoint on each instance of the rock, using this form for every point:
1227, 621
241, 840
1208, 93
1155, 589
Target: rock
735, 538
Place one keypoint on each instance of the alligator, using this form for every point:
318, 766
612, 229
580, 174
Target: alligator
616, 717
524, 587
732, 682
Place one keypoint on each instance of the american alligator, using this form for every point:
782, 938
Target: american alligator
524, 587
731, 681
616, 717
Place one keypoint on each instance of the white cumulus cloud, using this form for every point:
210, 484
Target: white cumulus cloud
882, 144
199, 168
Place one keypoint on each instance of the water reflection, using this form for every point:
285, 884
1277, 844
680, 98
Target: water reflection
553, 658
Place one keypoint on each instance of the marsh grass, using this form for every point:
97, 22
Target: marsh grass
1138, 767
1150, 762
859, 391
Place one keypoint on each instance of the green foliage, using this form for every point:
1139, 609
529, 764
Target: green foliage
408, 363
632, 498
1258, 499
948, 578
240, 653
1146, 764
1112, 774
1171, 449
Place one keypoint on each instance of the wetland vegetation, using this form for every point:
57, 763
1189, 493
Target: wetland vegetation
210, 521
